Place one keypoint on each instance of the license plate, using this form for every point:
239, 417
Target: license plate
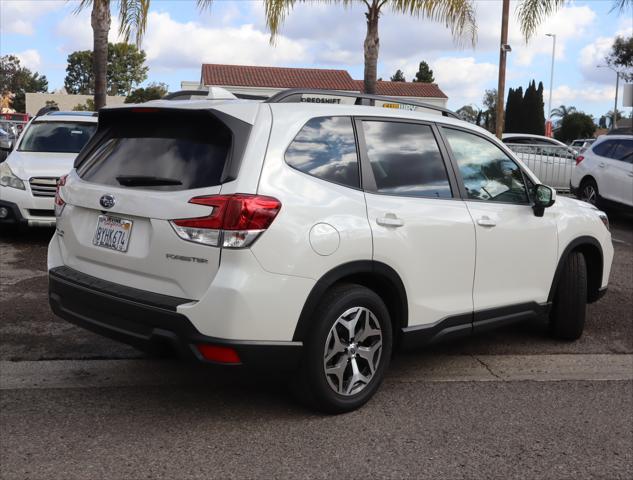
113, 233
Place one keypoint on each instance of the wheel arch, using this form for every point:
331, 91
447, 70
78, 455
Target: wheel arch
377, 276
592, 251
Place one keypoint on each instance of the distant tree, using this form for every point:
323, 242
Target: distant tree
153, 91
424, 74
89, 106
513, 114
398, 76
609, 116
489, 115
562, 111
16, 80
576, 125
126, 69
539, 113
621, 56
602, 123
51, 103
79, 78
468, 113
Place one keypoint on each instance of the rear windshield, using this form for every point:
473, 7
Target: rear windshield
57, 137
162, 153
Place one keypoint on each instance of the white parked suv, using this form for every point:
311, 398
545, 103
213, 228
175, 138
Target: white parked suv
603, 174
44, 152
320, 237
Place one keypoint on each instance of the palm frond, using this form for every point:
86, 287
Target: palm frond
458, 15
621, 5
133, 19
276, 12
204, 4
83, 4
531, 13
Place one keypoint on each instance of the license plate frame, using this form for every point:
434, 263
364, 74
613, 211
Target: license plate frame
107, 230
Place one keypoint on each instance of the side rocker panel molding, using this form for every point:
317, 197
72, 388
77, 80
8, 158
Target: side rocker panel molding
349, 270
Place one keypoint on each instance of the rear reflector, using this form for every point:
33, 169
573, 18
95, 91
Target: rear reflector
235, 221
59, 201
216, 353
579, 159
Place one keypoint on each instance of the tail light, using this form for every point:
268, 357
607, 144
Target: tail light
219, 354
59, 201
579, 159
235, 221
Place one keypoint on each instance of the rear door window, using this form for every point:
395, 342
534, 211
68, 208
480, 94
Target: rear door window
326, 148
165, 152
622, 150
405, 159
603, 148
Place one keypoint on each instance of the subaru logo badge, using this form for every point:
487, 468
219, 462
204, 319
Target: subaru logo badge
107, 201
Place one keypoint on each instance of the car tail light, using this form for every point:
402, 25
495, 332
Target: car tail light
579, 159
217, 353
235, 221
59, 201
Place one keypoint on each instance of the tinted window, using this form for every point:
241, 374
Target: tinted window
622, 150
405, 159
58, 137
603, 148
519, 141
182, 152
488, 173
325, 148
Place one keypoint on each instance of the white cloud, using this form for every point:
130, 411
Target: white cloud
30, 59
594, 54
75, 31
566, 95
463, 79
19, 16
172, 45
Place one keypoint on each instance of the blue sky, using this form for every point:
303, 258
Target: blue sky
179, 38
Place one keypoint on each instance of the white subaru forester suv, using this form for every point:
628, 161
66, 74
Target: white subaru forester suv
282, 235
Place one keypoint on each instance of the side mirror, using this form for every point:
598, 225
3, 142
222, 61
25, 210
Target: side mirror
544, 197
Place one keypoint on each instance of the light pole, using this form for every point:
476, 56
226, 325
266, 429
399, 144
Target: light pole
548, 125
614, 123
551, 75
504, 48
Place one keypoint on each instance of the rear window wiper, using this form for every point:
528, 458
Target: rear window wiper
145, 181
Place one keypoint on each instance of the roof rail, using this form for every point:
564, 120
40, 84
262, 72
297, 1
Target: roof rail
294, 95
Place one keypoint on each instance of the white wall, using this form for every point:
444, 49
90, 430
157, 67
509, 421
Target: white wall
35, 101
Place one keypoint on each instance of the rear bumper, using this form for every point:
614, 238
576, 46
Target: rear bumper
149, 321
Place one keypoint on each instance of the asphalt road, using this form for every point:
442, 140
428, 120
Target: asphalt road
74, 405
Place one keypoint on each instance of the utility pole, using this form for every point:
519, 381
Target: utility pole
504, 48
548, 124
614, 122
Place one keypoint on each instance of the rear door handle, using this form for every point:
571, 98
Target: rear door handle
486, 222
390, 220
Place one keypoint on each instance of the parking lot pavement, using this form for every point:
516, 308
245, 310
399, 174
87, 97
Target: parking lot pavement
29, 331
411, 429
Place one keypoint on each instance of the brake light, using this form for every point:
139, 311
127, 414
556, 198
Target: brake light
579, 159
235, 220
59, 201
220, 354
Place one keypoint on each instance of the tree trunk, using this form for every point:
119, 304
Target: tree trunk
372, 44
100, 27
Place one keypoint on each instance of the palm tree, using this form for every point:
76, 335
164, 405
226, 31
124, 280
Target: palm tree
458, 15
562, 111
133, 22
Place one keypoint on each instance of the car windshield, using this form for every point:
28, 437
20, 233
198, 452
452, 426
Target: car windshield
62, 137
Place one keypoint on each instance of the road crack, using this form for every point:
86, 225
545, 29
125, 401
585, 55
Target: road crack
487, 367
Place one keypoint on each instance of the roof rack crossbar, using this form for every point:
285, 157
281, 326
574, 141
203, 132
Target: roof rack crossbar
291, 95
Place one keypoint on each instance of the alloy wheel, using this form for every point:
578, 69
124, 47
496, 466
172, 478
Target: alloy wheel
589, 194
352, 351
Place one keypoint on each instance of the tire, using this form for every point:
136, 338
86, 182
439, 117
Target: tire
588, 191
351, 382
567, 318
